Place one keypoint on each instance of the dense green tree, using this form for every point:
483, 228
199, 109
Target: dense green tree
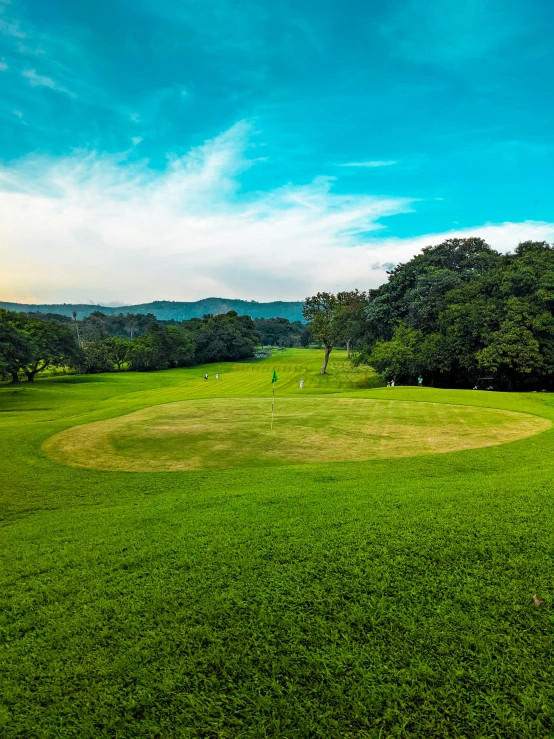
351, 309
278, 331
49, 343
66, 320
225, 337
182, 347
470, 311
99, 325
306, 337
411, 353
144, 355
415, 292
116, 351
322, 310
153, 350
95, 357
397, 359
15, 350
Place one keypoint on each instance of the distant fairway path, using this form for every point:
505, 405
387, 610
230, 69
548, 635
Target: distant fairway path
171, 568
228, 433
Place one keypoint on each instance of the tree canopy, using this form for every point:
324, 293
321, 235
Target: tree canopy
460, 310
30, 345
326, 322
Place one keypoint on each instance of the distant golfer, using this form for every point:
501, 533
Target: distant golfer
301, 383
217, 375
420, 381
205, 377
392, 383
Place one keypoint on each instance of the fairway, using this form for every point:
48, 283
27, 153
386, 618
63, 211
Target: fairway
227, 433
171, 567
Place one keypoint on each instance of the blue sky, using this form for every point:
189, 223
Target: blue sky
170, 149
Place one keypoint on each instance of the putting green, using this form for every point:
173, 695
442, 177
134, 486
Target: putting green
235, 432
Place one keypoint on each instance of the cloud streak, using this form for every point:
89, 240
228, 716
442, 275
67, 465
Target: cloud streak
39, 80
374, 163
98, 227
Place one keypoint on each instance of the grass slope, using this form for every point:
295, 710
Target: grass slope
386, 598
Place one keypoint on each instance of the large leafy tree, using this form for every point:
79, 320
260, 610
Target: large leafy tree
469, 311
116, 351
503, 323
411, 353
52, 344
350, 315
152, 351
15, 350
324, 314
182, 347
48, 343
225, 337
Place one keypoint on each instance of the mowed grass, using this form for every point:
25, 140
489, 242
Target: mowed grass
381, 598
226, 433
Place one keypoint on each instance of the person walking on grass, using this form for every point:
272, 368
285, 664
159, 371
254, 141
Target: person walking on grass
217, 375
205, 376
420, 381
301, 383
392, 383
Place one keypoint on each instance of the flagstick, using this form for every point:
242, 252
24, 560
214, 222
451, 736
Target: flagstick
272, 404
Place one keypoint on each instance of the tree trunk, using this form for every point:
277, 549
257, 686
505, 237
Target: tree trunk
30, 376
348, 348
328, 350
15, 377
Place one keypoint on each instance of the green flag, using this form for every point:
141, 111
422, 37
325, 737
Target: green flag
274, 378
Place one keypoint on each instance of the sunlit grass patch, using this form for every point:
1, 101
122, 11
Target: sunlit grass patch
226, 433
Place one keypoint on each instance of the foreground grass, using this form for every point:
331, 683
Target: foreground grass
389, 598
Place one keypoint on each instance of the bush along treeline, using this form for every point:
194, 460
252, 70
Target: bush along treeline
457, 314
32, 343
280, 332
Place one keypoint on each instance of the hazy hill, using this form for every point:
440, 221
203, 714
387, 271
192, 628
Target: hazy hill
166, 309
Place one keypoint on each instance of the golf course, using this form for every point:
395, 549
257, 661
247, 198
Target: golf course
175, 563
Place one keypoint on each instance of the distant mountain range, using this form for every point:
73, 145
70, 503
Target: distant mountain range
168, 309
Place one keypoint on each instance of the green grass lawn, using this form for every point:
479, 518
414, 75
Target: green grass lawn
390, 597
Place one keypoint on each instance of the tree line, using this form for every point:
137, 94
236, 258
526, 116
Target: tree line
31, 343
34, 341
456, 314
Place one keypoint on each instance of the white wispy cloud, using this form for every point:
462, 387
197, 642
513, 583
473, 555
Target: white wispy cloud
11, 28
19, 114
96, 227
3, 65
39, 80
371, 163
